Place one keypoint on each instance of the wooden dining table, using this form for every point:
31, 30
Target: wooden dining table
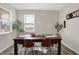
19, 40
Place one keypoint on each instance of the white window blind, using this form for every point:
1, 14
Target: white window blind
29, 23
4, 21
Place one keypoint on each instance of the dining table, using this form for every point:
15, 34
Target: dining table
54, 39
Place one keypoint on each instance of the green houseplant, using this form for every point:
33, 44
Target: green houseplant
17, 26
58, 27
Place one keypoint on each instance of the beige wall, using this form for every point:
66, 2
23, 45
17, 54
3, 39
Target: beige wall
6, 39
45, 20
70, 34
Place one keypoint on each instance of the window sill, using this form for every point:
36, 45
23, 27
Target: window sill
2, 33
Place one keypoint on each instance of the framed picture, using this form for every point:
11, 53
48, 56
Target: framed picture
64, 24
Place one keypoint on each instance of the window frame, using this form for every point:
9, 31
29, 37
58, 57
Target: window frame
10, 20
30, 23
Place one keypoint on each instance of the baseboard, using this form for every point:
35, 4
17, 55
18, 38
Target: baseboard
3, 50
69, 49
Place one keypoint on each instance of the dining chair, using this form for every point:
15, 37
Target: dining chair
47, 44
28, 44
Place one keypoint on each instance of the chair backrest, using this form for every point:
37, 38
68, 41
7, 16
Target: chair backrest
46, 42
28, 43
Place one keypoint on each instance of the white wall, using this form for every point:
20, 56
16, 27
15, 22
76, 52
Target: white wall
6, 39
45, 20
70, 34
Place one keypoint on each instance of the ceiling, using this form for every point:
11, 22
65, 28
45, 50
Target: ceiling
38, 6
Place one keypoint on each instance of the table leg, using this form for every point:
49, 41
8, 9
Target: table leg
59, 47
15, 48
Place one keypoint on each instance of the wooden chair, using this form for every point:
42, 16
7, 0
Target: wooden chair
47, 43
28, 44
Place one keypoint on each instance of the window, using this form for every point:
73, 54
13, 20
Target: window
29, 23
4, 21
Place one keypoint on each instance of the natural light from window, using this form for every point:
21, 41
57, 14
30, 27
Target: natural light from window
4, 21
29, 23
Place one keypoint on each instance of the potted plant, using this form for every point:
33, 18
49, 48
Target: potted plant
17, 26
58, 27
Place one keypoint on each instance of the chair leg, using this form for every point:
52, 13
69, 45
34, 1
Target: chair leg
42, 48
50, 50
47, 50
32, 50
25, 51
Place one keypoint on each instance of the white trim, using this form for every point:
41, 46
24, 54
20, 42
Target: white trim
4, 8
69, 47
1, 33
5, 48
